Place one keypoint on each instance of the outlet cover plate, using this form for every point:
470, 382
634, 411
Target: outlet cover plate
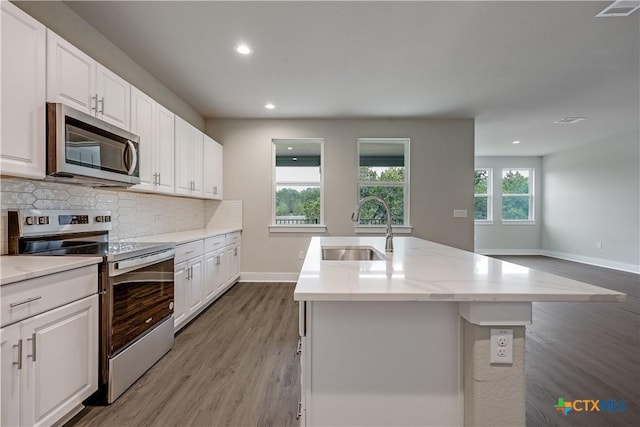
501, 347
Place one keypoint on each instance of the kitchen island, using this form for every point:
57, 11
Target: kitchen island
406, 339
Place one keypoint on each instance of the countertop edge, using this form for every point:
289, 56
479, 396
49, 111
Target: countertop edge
180, 237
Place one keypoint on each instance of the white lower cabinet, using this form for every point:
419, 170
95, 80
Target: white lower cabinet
201, 278
49, 363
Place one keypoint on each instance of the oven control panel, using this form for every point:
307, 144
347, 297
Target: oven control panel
34, 222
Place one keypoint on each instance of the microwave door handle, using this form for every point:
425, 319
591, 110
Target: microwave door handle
134, 155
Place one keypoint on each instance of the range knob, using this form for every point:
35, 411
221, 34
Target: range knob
43, 220
29, 220
103, 218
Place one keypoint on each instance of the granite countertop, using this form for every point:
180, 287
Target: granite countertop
180, 237
420, 270
17, 268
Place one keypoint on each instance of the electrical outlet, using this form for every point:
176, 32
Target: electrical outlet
459, 213
301, 255
598, 245
501, 347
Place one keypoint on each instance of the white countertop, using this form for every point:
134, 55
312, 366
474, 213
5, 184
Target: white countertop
180, 237
420, 270
22, 267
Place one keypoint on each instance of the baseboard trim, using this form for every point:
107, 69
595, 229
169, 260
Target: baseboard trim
508, 251
598, 262
258, 276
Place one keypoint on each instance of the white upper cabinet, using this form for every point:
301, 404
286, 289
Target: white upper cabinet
114, 97
23, 71
212, 169
188, 159
154, 125
77, 80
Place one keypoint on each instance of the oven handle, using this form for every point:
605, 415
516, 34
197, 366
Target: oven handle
142, 261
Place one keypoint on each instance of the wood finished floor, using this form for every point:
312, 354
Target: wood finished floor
583, 350
235, 365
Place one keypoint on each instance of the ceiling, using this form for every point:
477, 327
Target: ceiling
515, 67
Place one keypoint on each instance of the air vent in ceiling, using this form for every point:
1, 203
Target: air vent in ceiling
620, 8
570, 120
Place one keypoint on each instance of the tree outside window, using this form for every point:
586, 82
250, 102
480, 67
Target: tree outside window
517, 195
383, 172
482, 195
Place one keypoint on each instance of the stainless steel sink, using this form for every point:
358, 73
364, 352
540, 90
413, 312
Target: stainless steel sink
351, 253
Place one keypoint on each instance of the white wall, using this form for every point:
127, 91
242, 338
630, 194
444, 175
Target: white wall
510, 238
441, 173
591, 195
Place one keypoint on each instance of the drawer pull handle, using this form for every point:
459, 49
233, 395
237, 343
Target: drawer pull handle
299, 411
190, 252
28, 300
33, 347
299, 347
148, 320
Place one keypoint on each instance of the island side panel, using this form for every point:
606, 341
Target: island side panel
383, 363
494, 395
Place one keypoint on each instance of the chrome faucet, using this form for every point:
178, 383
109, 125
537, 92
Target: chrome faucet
355, 217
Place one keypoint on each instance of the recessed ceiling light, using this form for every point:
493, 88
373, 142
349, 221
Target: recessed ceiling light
515, 142
243, 49
570, 120
289, 148
619, 8
294, 158
269, 106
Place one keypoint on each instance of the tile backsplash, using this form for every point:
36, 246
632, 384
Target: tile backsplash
133, 214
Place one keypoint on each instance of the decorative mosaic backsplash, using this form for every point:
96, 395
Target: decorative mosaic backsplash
133, 214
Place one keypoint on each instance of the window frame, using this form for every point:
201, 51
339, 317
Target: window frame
398, 229
531, 195
296, 228
488, 195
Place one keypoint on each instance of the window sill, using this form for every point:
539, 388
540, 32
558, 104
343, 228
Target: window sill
483, 222
315, 228
381, 229
516, 222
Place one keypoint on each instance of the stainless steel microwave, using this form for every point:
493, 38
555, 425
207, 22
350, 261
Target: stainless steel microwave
86, 150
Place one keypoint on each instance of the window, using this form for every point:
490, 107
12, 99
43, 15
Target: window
517, 195
383, 170
482, 195
297, 193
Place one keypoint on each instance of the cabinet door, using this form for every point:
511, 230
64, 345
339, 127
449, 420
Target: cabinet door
143, 112
114, 97
71, 75
61, 361
164, 148
217, 166
180, 286
22, 139
197, 162
195, 286
11, 370
236, 263
209, 152
183, 154
214, 274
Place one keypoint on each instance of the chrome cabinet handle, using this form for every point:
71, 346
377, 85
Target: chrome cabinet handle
235, 251
159, 181
19, 362
299, 411
33, 347
299, 348
218, 260
28, 300
155, 179
95, 103
101, 105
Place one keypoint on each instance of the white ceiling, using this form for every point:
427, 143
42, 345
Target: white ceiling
515, 67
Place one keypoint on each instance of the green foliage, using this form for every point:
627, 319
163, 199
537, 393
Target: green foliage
373, 212
481, 211
291, 202
481, 181
392, 174
515, 183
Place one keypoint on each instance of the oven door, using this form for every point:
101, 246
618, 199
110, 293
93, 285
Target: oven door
140, 299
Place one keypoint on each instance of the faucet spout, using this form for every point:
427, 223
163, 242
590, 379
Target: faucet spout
355, 217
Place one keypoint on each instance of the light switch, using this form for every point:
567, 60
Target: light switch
459, 213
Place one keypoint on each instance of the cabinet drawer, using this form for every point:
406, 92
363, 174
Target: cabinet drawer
189, 250
213, 243
233, 237
24, 299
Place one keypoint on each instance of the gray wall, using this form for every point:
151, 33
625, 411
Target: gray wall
70, 26
591, 195
499, 238
441, 179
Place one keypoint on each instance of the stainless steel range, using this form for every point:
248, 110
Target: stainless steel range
136, 288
